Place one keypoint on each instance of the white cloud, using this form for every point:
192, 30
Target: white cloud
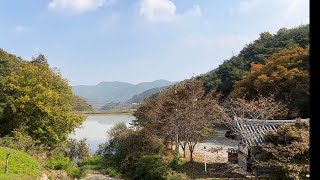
285, 7
77, 6
158, 10
194, 11
246, 6
21, 29
275, 13
295, 8
164, 10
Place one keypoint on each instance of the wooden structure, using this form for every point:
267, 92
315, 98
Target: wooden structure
232, 155
252, 132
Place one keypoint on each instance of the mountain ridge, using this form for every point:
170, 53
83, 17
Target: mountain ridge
114, 91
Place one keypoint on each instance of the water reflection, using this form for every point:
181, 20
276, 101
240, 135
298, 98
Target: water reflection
95, 128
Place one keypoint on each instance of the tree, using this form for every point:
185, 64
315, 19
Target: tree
285, 75
39, 100
257, 52
259, 108
183, 113
7, 61
41, 59
76, 150
115, 135
287, 151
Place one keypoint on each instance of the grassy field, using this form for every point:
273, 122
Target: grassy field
21, 166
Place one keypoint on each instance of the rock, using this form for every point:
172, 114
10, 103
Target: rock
44, 177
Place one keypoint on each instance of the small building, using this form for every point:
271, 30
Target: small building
232, 155
252, 132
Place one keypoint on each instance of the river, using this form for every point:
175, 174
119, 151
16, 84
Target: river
95, 128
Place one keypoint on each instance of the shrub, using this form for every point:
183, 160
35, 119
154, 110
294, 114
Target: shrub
173, 175
58, 162
112, 172
148, 167
95, 163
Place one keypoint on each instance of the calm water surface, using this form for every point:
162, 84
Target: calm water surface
95, 128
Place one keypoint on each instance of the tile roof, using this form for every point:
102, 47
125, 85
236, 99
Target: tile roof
253, 130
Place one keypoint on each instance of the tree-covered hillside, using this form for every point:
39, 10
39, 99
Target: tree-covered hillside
79, 104
138, 98
232, 70
287, 48
285, 75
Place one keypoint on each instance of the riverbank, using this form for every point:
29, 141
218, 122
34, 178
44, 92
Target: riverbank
115, 112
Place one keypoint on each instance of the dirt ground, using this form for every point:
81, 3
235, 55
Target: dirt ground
216, 148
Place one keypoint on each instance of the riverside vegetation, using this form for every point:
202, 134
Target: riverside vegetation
36, 116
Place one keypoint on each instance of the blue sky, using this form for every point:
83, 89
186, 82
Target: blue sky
140, 40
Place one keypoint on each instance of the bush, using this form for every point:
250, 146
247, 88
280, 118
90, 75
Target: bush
95, 163
76, 150
176, 165
148, 167
134, 146
112, 172
173, 175
58, 162
72, 170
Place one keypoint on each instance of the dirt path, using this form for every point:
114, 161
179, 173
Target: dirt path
98, 176
217, 142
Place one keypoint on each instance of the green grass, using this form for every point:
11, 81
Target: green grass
112, 172
21, 166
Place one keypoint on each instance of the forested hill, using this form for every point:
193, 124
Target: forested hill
233, 69
106, 92
138, 98
79, 104
276, 64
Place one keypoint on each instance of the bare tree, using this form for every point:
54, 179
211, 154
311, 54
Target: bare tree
182, 115
259, 108
239, 110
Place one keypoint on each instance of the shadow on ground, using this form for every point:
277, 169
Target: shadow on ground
195, 170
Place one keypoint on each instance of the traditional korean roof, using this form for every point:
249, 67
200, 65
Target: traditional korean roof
254, 130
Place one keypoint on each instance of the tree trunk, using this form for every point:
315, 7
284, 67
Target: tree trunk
7, 162
183, 146
191, 154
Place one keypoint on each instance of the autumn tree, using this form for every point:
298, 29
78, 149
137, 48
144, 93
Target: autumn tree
287, 151
183, 114
285, 75
230, 71
38, 99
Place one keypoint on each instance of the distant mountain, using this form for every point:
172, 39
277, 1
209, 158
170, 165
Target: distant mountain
106, 92
138, 98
